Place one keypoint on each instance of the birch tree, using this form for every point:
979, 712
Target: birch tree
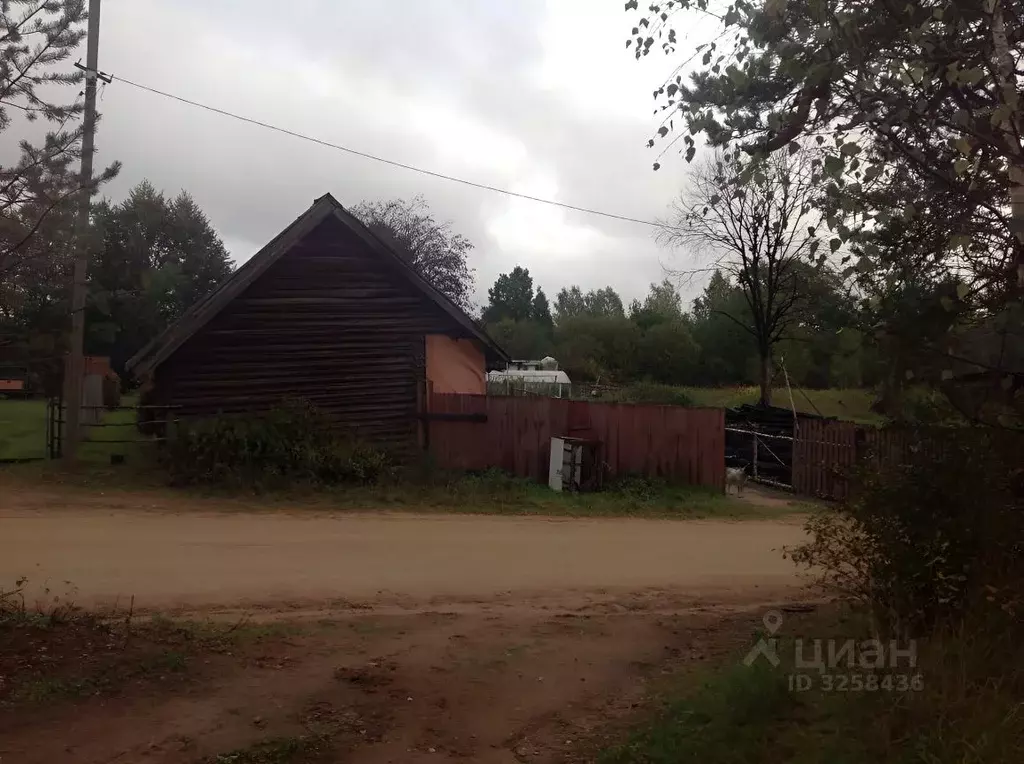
931, 86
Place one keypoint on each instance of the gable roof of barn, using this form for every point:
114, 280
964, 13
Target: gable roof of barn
195, 318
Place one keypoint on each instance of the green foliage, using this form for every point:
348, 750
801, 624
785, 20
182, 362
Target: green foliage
726, 348
667, 353
916, 111
431, 247
762, 232
521, 339
511, 297
967, 710
569, 303
918, 63
158, 257
662, 343
662, 305
494, 491
490, 482
636, 489
733, 718
572, 302
541, 311
295, 443
39, 193
597, 347
932, 540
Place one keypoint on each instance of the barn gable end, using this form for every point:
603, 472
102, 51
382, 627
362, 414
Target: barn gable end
324, 317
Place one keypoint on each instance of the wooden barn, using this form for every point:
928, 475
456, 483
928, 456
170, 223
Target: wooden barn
328, 312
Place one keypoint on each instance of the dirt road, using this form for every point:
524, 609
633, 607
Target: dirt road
201, 560
380, 638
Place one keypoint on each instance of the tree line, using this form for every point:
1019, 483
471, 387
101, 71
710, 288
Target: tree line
908, 119
596, 338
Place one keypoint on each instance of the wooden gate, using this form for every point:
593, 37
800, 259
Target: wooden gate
823, 453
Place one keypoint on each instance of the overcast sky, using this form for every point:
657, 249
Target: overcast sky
537, 96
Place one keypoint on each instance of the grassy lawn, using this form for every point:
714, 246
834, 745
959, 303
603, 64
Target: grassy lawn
495, 493
23, 432
100, 442
22, 429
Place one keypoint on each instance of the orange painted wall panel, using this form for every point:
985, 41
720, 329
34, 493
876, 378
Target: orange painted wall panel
456, 366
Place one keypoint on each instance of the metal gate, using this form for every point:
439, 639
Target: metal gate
766, 464
150, 427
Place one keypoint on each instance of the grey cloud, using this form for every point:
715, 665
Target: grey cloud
478, 56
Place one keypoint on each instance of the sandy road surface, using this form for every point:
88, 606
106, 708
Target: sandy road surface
437, 638
198, 560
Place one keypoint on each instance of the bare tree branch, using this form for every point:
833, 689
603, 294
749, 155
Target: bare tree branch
757, 222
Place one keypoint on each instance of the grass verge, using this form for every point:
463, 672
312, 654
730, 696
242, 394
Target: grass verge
969, 709
492, 492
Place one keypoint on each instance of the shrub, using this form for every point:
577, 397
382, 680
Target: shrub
293, 443
933, 540
638, 489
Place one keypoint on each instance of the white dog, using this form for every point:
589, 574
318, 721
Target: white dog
736, 476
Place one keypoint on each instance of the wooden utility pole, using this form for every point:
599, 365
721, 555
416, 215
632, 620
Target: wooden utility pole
74, 370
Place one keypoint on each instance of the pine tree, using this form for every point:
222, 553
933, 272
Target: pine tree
541, 310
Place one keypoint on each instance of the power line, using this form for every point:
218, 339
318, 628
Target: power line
383, 160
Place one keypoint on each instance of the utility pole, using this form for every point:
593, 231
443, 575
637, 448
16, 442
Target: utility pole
74, 370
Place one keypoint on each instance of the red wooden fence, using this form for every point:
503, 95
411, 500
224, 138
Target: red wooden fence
678, 444
825, 451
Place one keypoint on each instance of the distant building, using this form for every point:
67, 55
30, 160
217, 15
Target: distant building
12, 379
541, 377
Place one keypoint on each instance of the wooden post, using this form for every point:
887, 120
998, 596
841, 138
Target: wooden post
426, 390
73, 373
755, 451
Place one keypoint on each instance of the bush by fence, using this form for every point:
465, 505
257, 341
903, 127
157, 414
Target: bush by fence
293, 443
933, 536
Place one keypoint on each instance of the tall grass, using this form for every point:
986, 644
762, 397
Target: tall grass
968, 711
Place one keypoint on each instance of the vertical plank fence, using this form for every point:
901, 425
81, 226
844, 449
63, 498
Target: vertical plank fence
475, 432
825, 451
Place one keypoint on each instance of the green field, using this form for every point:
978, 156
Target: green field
853, 404
23, 431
